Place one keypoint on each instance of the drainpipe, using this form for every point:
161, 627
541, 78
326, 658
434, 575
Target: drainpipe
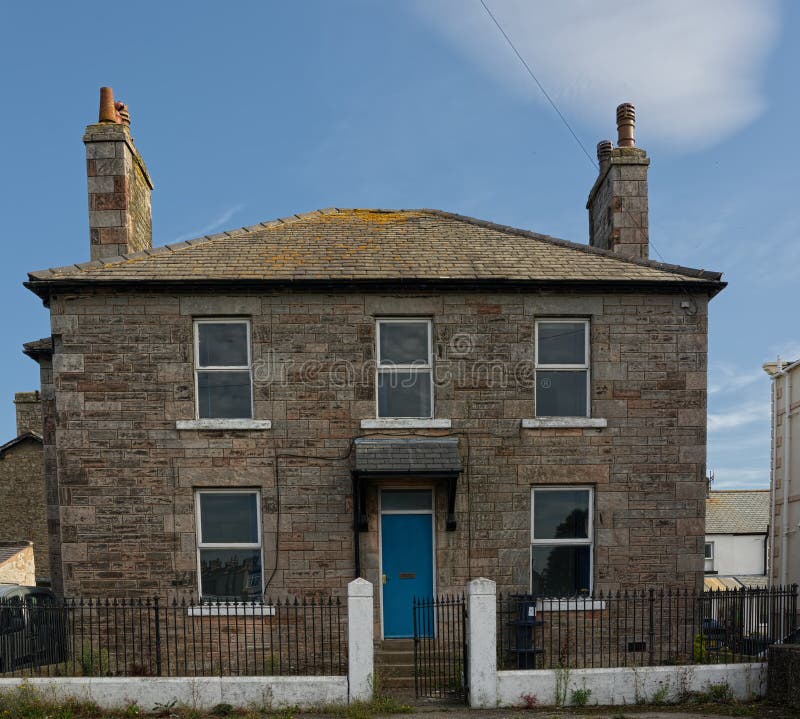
773, 456
787, 403
787, 456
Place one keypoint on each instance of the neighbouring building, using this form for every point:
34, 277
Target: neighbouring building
737, 523
17, 563
22, 485
784, 557
411, 396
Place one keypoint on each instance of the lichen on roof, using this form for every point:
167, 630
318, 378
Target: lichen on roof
374, 245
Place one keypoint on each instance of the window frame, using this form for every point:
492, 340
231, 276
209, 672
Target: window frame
585, 367
708, 561
404, 367
576, 542
221, 368
200, 545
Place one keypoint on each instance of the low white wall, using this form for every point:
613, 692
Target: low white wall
196, 692
628, 685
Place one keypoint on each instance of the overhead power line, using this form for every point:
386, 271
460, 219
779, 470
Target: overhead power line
539, 85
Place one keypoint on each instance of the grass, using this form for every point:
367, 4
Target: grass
27, 702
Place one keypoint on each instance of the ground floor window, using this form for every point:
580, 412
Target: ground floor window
561, 541
229, 544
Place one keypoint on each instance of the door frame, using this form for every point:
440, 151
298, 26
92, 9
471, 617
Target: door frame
431, 512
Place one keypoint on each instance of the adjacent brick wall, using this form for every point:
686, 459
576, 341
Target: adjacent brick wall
22, 499
122, 374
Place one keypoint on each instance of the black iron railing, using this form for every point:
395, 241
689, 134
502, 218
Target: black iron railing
440, 651
645, 627
150, 637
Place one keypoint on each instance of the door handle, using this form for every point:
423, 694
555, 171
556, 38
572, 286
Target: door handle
383, 579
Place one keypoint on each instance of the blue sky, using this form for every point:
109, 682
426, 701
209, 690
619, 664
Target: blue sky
249, 111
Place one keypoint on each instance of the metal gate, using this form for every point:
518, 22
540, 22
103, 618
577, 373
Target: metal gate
440, 647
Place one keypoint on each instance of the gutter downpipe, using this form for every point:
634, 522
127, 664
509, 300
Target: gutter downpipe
770, 550
785, 478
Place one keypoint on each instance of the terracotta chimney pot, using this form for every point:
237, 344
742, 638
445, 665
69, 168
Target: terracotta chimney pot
626, 122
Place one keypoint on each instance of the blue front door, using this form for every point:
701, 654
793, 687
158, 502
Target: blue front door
407, 563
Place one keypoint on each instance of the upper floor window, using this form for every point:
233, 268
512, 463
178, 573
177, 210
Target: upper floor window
562, 368
229, 544
561, 541
404, 376
223, 380
708, 557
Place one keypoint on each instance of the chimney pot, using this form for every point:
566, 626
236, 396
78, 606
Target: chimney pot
626, 121
604, 149
108, 110
123, 113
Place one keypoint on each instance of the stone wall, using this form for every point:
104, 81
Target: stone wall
123, 376
22, 508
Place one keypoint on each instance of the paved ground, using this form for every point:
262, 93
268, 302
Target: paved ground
760, 711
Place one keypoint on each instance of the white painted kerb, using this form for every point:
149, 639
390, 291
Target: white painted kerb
195, 692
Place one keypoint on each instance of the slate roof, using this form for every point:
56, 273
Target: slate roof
36, 348
415, 455
8, 550
354, 245
20, 438
714, 583
738, 512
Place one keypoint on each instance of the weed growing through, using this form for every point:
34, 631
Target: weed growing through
580, 697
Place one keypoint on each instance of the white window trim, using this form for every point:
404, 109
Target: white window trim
405, 423
220, 368
229, 545
588, 542
224, 424
711, 557
585, 367
413, 367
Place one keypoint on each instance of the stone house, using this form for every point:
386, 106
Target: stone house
411, 396
22, 486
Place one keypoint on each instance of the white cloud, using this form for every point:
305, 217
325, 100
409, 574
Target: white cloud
217, 223
693, 69
740, 478
726, 377
742, 415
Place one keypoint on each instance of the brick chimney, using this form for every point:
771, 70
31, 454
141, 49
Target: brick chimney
119, 184
618, 201
29, 412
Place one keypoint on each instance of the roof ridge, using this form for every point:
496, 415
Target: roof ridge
74, 270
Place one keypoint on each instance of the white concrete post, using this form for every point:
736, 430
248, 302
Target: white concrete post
482, 642
360, 647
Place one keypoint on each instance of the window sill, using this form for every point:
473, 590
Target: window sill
569, 605
406, 423
231, 610
256, 424
564, 423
